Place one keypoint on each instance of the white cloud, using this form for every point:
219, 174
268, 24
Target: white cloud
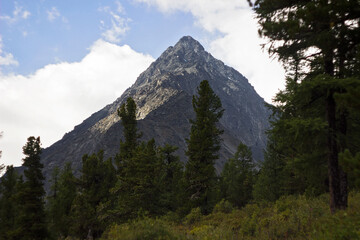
119, 25
53, 14
25, 14
119, 7
17, 14
238, 44
59, 96
6, 59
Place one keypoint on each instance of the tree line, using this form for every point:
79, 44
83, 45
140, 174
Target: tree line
143, 179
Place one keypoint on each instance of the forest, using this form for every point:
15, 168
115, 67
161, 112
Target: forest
307, 187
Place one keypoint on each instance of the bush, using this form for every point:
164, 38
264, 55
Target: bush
223, 206
193, 217
290, 217
343, 225
145, 229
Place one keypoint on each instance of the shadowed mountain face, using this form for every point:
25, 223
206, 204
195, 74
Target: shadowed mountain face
163, 94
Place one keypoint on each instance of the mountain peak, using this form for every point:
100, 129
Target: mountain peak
163, 95
189, 43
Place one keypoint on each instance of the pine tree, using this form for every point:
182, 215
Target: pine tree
146, 174
203, 147
319, 45
8, 208
170, 179
127, 113
138, 187
32, 219
94, 188
271, 180
60, 202
238, 177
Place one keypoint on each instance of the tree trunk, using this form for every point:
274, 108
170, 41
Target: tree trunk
333, 163
337, 178
343, 146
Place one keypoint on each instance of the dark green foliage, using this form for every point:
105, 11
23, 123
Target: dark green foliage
8, 208
60, 201
290, 217
127, 113
148, 177
31, 219
144, 229
203, 147
98, 177
298, 139
138, 187
238, 177
172, 172
318, 42
351, 164
271, 180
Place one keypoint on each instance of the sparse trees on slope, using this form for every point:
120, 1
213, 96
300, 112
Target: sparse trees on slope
203, 147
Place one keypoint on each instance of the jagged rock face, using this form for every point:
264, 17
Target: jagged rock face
163, 94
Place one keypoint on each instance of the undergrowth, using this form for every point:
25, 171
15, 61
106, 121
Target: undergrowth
291, 217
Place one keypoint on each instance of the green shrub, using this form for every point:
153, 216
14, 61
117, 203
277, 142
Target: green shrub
208, 232
193, 217
290, 217
342, 225
145, 229
223, 206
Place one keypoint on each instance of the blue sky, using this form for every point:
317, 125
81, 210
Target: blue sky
46, 32
62, 60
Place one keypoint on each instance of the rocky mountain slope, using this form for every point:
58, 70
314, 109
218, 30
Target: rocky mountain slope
163, 94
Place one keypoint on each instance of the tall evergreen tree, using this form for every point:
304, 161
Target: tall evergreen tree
170, 179
60, 202
97, 178
270, 183
8, 208
318, 42
145, 173
203, 147
127, 113
32, 219
238, 177
138, 187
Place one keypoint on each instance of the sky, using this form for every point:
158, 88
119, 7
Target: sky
62, 60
